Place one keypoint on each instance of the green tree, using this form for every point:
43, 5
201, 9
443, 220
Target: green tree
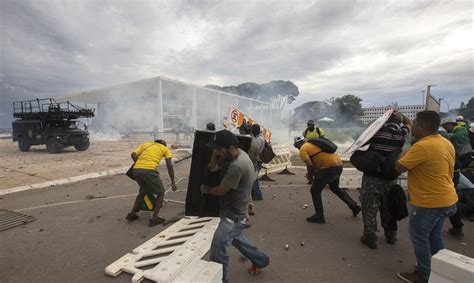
349, 105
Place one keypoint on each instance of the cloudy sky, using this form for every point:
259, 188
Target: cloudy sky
382, 51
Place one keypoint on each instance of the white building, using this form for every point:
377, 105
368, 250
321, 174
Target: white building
373, 113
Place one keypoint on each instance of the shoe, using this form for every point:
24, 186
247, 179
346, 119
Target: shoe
131, 217
154, 222
251, 210
315, 219
255, 270
370, 244
411, 277
247, 223
356, 211
391, 238
257, 198
456, 232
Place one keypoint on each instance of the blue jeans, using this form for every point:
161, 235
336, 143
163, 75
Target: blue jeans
425, 229
230, 232
256, 192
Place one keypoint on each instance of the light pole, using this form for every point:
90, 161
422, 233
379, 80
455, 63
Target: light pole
447, 102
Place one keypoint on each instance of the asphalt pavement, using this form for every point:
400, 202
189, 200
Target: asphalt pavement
74, 237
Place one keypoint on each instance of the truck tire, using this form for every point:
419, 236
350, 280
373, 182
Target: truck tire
24, 144
54, 146
82, 146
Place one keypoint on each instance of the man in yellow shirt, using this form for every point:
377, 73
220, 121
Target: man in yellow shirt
147, 158
312, 132
326, 169
430, 166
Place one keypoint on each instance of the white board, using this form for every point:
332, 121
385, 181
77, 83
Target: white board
370, 132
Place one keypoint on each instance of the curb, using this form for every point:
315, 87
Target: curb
64, 181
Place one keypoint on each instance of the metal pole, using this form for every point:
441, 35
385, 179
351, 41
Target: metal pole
219, 119
194, 109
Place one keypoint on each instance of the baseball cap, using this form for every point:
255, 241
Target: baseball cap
298, 138
225, 138
459, 118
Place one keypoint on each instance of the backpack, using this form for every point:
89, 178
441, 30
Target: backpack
324, 144
367, 161
318, 130
267, 153
388, 166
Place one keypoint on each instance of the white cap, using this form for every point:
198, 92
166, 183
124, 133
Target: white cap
459, 118
298, 138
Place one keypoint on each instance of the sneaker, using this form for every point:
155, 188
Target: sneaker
251, 210
356, 211
315, 219
131, 217
370, 244
247, 223
456, 232
255, 270
410, 277
154, 222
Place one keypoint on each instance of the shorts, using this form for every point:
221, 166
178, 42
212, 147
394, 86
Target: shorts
149, 181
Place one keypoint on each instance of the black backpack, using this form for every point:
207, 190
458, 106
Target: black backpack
324, 144
367, 161
267, 154
388, 166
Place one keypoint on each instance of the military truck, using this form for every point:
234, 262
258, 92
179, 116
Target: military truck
45, 121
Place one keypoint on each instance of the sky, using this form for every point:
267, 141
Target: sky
382, 51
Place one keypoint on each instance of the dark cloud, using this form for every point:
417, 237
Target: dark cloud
384, 52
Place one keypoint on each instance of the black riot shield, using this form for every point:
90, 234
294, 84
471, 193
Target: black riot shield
205, 205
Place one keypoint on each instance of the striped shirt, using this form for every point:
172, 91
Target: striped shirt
389, 138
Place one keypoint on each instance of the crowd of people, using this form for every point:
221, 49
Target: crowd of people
433, 162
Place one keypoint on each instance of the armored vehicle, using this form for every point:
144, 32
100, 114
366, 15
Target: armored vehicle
45, 121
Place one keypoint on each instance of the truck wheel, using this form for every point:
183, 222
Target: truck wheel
82, 146
24, 144
54, 146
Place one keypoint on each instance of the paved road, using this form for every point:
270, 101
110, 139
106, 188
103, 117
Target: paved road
76, 240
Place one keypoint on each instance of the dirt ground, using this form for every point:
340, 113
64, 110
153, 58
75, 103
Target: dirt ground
23, 168
74, 239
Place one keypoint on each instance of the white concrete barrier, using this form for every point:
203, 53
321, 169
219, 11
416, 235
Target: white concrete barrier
174, 255
281, 161
451, 267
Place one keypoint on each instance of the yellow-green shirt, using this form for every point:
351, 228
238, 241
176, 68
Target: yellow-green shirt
314, 134
150, 154
320, 159
430, 164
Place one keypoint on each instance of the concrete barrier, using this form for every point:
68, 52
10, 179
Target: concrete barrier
451, 267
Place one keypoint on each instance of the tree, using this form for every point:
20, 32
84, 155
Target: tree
350, 106
468, 112
279, 93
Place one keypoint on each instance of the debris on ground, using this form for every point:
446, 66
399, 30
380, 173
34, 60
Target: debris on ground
302, 244
94, 197
287, 247
305, 206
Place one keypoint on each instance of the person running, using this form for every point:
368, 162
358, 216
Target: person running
325, 168
259, 142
